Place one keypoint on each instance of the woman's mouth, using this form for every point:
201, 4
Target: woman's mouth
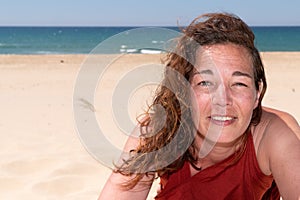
222, 120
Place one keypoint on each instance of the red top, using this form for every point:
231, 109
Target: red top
241, 180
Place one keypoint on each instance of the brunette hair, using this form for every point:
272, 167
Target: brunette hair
172, 95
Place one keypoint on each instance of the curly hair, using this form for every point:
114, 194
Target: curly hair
158, 133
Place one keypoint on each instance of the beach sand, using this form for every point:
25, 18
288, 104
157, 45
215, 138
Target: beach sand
41, 154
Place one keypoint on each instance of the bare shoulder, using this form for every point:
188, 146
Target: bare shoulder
279, 150
287, 118
275, 127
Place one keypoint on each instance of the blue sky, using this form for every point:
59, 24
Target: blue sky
143, 12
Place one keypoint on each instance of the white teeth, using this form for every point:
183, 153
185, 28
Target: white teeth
221, 118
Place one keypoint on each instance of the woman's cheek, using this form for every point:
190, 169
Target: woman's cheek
246, 98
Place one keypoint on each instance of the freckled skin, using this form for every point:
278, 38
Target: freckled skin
225, 91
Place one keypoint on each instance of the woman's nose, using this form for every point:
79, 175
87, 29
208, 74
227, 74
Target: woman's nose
222, 96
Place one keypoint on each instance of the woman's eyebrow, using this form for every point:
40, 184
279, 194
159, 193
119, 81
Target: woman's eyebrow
235, 73
206, 71
239, 73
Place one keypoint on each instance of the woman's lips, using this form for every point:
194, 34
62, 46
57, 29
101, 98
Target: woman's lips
222, 120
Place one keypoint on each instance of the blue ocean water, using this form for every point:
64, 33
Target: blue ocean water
78, 40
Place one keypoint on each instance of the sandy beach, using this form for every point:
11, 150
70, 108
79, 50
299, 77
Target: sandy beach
41, 154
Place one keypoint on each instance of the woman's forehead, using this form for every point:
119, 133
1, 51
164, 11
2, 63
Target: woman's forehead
224, 57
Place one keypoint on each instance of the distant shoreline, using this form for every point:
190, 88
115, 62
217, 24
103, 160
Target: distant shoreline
75, 54
83, 40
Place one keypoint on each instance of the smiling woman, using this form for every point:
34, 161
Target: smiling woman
218, 141
225, 91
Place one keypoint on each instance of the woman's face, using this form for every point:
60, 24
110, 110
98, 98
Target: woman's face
225, 93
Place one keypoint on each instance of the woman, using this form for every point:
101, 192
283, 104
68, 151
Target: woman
216, 141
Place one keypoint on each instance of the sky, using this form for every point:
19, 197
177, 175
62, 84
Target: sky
143, 12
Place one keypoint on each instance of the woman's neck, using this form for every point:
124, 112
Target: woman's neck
218, 152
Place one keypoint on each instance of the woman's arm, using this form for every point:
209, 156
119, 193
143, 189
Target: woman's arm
282, 150
113, 190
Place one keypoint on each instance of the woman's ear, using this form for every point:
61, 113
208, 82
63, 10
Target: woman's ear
258, 93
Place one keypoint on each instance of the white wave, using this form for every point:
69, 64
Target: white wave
131, 50
150, 51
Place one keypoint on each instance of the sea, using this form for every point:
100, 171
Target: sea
85, 40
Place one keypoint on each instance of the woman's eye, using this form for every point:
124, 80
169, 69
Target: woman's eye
205, 83
240, 84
